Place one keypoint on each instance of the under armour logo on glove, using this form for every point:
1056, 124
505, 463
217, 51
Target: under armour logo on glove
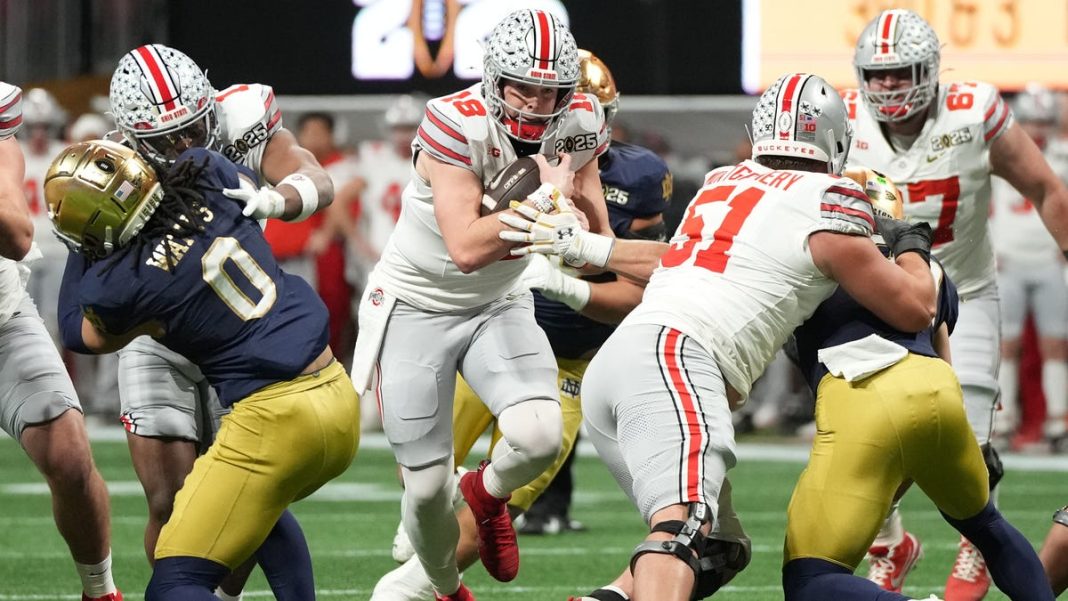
564, 234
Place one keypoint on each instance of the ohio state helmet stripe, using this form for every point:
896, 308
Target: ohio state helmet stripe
786, 102
159, 80
543, 38
886, 31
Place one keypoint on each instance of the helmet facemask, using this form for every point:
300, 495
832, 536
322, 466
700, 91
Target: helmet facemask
899, 105
165, 146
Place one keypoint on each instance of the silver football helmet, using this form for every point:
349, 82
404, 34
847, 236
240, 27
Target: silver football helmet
533, 47
802, 116
1035, 104
163, 103
897, 39
40, 107
406, 111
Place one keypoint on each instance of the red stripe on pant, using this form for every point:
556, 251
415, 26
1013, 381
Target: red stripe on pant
694, 439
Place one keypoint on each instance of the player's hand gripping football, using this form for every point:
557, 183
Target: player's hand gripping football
559, 175
264, 203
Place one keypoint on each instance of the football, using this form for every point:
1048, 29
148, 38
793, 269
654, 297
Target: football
515, 182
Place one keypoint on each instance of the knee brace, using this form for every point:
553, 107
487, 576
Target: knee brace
688, 546
721, 561
1061, 517
993, 464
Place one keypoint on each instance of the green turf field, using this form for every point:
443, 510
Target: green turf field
350, 525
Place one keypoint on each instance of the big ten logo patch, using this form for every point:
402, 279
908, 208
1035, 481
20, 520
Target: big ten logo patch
570, 387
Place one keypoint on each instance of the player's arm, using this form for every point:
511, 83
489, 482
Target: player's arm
1015, 158
610, 302
100, 341
606, 302
901, 293
940, 342
16, 228
589, 198
284, 160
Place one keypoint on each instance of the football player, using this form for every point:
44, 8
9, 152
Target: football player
576, 315
447, 287
1055, 550
762, 244
163, 104
39, 407
885, 398
159, 258
1031, 275
940, 143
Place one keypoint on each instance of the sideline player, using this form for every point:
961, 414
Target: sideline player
163, 104
762, 244
39, 407
446, 276
889, 411
940, 143
576, 315
1031, 275
153, 259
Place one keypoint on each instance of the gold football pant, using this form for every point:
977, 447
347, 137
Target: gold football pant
905, 422
470, 418
278, 445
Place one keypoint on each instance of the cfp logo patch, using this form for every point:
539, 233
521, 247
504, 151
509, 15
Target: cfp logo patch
956, 137
570, 387
577, 143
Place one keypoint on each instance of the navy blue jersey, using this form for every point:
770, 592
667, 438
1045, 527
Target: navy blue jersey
636, 184
840, 319
225, 306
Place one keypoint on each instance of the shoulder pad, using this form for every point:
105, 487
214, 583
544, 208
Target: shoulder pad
448, 124
977, 102
248, 117
10, 110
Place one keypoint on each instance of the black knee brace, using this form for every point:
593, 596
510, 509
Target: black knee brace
687, 546
1061, 517
721, 561
993, 464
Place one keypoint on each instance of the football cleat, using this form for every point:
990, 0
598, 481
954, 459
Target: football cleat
462, 594
406, 582
497, 545
402, 545
116, 596
889, 564
969, 580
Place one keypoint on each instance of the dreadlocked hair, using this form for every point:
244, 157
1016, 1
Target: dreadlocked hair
178, 214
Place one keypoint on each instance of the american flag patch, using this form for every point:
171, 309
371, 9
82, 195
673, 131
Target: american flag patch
124, 191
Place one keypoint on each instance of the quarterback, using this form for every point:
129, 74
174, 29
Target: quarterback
176, 259
761, 245
446, 276
940, 143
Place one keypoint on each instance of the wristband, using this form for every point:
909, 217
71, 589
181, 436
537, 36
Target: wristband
546, 198
308, 192
591, 248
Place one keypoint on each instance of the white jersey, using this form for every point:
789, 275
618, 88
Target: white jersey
1020, 237
415, 265
248, 117
12, 285
944, 176
739, 277
386, 174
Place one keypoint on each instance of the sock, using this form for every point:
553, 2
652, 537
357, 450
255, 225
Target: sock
1055, 388
608, 593
431, 524
185, 579
1010, 559
224, 596
893, 531
286, 561
818, 580
96, 578
1009, 382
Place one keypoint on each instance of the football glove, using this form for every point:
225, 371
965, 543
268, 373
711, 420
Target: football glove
902, 237
558, 234
546, 276
264, 203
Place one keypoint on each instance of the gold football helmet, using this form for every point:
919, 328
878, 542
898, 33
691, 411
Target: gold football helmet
100, 194
597, 80
882, 192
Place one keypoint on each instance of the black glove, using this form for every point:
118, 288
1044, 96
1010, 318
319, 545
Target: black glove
902, 236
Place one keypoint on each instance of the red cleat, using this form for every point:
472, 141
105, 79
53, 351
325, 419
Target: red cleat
969, 580
497, 546
116, 596
461, 594
888, 565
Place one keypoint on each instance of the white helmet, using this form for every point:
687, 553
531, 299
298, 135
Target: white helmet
802, 116
534, 47
1035, 104
896, 39
406, 111
163, 103
40, 107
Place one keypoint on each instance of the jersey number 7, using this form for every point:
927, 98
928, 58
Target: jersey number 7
711, 253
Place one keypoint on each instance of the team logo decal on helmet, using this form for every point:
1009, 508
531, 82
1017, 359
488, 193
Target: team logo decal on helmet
532, 47
802, 116
898, 39
163, 102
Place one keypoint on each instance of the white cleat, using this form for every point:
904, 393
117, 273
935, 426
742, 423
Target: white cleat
406, 582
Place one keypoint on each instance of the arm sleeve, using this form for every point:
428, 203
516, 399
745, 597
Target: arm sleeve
70, 312
443, 138
845, 208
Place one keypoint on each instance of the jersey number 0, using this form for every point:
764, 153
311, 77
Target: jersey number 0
224, 249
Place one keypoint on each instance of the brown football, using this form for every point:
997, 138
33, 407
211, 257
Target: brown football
515, 182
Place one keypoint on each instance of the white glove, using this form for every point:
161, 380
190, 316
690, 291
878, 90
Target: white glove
265, 203
545, 275
555, 234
